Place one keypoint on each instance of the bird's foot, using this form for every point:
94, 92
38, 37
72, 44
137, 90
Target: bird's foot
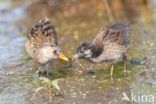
45, 73
126, 74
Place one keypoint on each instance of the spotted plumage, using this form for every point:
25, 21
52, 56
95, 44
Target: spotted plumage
109, 44
44, 33
41, 43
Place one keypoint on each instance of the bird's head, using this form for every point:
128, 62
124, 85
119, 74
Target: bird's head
53, 52
83, 51
87, 51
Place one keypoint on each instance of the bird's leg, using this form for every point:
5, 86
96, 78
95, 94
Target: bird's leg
43, 70
46, 72
37, 67
125, 64
40, 70
112, 69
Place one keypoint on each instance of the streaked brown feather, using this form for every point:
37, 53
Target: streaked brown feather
114, 33
43, 34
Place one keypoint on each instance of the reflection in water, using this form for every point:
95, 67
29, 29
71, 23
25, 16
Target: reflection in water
11, 40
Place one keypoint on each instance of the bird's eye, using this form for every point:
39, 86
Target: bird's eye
85, 48
55, 51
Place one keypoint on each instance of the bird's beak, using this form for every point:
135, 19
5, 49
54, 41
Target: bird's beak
75, 57
63, 57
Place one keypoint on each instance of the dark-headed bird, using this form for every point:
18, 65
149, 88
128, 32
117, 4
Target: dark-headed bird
109, 44
42, 46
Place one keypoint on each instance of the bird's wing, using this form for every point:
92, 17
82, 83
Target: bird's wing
114, 33
43, 33
100, 37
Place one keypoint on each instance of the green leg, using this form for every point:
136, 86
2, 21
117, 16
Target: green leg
112, 69
39, 67
40, 70
125, 64
43, 71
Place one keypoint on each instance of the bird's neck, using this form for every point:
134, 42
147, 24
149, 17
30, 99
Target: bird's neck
96, 51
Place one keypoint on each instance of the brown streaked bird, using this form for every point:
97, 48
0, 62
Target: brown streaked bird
41, 44
109, 44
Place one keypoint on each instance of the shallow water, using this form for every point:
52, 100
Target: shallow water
88, 85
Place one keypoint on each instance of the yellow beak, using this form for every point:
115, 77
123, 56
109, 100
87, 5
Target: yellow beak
63, 57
